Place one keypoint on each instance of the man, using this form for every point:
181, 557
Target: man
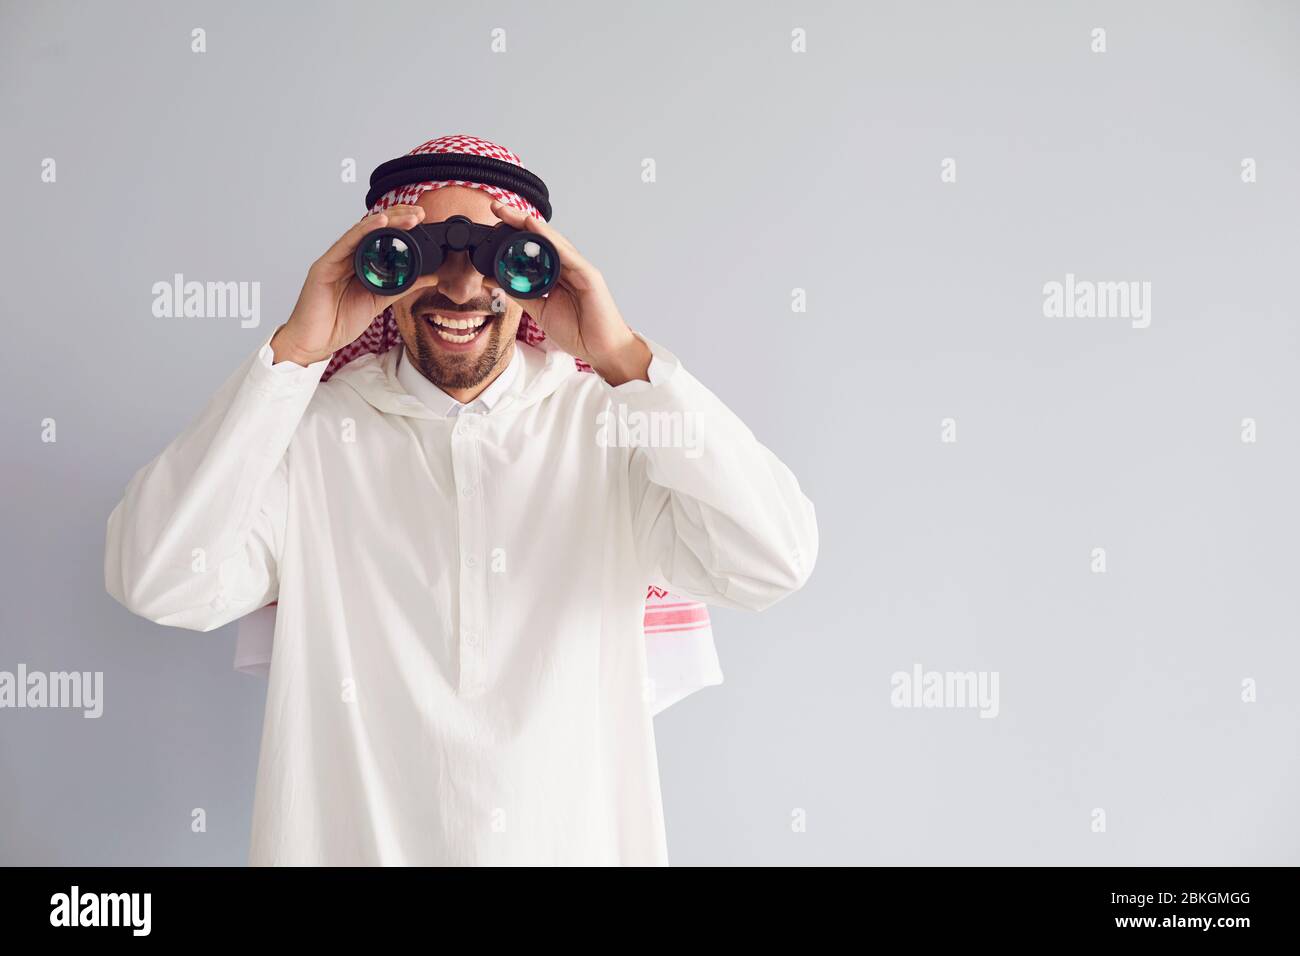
460, 538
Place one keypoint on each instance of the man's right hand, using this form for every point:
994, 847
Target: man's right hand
334, 308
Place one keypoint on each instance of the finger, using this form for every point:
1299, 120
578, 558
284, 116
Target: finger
564, 296
570, 258
522, 220
378, 303
420, 284
400, 217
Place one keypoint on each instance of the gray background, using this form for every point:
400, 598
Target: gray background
775, 171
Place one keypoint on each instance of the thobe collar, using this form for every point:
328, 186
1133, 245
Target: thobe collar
542, 368
442, 404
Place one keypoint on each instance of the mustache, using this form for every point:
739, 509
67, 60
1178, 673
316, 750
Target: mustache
434, 301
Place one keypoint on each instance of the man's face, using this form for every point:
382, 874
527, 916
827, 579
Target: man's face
461, 332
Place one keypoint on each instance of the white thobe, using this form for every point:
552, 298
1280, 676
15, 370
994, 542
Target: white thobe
459, 664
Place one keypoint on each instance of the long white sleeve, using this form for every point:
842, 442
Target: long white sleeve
195, 539
716, 515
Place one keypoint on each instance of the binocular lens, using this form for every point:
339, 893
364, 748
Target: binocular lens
525, 266
387, 262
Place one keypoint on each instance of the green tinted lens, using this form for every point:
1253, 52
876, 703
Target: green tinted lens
386, 262
525, 266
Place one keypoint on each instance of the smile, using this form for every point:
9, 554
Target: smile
457, 330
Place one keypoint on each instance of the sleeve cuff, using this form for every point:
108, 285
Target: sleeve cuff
273, 378
266, 356
663, 365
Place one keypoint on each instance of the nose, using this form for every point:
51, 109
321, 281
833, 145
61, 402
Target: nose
458, 279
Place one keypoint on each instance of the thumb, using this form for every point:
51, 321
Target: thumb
419, 285
381, 302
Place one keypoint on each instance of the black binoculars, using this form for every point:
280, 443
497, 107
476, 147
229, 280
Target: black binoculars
525, 264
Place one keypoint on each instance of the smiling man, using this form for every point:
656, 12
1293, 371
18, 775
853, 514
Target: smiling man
460, 559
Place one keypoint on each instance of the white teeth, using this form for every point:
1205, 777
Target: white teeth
473, 322
468, 326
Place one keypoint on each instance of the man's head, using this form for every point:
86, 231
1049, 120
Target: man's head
459, 333
459, 288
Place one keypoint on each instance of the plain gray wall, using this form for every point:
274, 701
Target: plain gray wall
776, 171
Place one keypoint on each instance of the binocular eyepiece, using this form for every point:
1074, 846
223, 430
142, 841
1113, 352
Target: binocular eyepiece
389, 260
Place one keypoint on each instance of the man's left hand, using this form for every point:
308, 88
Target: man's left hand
579, 313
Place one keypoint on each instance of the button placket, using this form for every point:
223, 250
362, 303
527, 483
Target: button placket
470, 506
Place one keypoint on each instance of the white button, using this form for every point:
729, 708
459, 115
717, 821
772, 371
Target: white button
468, 491
470, 560
471, 638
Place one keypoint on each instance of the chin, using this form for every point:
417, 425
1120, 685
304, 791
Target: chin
456, 364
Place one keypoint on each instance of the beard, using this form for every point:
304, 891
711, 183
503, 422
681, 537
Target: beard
452, 370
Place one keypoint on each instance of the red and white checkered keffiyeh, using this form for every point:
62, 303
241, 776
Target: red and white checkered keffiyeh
382, 333
679, 636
